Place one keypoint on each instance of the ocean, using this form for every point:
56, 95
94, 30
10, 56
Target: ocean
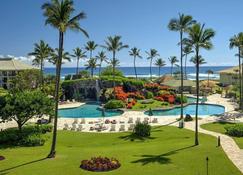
144, 72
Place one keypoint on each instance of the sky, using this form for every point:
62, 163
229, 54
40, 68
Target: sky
141, 23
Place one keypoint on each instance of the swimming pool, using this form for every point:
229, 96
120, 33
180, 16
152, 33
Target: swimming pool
203, 110
89, 110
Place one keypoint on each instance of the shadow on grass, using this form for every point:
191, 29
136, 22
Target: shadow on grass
161, 159
2, 172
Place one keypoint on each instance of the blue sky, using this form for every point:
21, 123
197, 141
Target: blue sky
141, 23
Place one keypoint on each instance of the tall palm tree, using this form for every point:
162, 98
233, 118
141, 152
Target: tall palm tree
186, 50
102, 57
237, 41
160, 63
41, 52
58, 15
173, 60
78, 54
91, 46
114, 45
135, 52
92, 64
152, 53
198, 38
181, 25
200, 60
209, 72
54, 56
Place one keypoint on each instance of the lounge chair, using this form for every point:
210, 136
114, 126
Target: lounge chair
113, 128
130, 120
122, 122
75, 121
66, 127
122, 128
80, 127
138, 120
131, 127
146, 120
155, 120
113, 122
107, 121
82, 121
74, 127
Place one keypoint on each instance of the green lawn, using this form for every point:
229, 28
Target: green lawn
154, 105
219, 127
169, 151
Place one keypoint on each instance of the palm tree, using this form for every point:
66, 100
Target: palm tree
173, 60
41, 53
102, 57
186, 50
198, 38
54, 56
181, 25
91, 65
79, 54
237, 41
209, 72
160, 63
91, 46
135, 52
200, 59
151, 55
114, 45
58, 15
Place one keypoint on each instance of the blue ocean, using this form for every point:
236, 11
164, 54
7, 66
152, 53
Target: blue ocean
144, 72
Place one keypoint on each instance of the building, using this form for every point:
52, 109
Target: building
189, 85
9, 68
229, 76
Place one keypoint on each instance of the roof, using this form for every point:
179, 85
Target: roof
177, 83
165, 78
232, 70
8, 64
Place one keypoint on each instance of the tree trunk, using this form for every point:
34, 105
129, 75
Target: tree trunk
58, 71
42, 78
182, 88
241, 87
185, 67
159, 71
77, 65
171, 71
240, 79
208, 79
197, 93
113, 67
151, 69
100, 68
19, 126
135, 67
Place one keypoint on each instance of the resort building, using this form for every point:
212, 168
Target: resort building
229, 76
9, 68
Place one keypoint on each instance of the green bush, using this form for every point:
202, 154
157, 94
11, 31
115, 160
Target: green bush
114, 104
29, 133
235, 130
149, 95
178, 99
108, 71
142, 130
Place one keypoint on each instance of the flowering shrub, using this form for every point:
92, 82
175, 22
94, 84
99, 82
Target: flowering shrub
136, 95
159, 98
131, 103
120, 94
99, 164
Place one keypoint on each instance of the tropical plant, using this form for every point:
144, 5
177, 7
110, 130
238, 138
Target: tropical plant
58, 15
237, 41
55, 57
198, 38
114, 45
152, 53
41, 53
102, 57
173, 60
91, 46
92, 64
186, 50
135, 52
209, 72
181, 25
200, 60
78, 54
160, 63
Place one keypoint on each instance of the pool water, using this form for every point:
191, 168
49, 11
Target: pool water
203, 109
89, 110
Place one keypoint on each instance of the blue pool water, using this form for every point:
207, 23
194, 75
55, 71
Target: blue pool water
203, 109
87, 111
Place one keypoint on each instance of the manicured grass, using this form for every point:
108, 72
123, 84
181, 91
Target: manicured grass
219, 127
155, 104
168, 151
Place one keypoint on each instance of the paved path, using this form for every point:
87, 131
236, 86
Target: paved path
229, 146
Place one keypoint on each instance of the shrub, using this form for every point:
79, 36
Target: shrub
178, 99
149, 95
114, 104
235, 130
188, 118
33, 140
108, 71
142, 130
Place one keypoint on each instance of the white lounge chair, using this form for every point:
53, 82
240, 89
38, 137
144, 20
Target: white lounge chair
131, 127
80, 127
138, 120
74, 126
66, 127
130, 120
155, 120
75, 121
113, 128
122, 128
82, 121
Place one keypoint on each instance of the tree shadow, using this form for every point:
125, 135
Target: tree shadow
134, 137
161, 159
2, 172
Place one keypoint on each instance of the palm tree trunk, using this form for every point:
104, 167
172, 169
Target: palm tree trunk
182, 88
100, 68
92, 72
159, 71
208, 79
240, 77
42, 77
185, 67
58, 71
135, 67
197, 93
151, 69
171, 71
77, 65
113, 68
